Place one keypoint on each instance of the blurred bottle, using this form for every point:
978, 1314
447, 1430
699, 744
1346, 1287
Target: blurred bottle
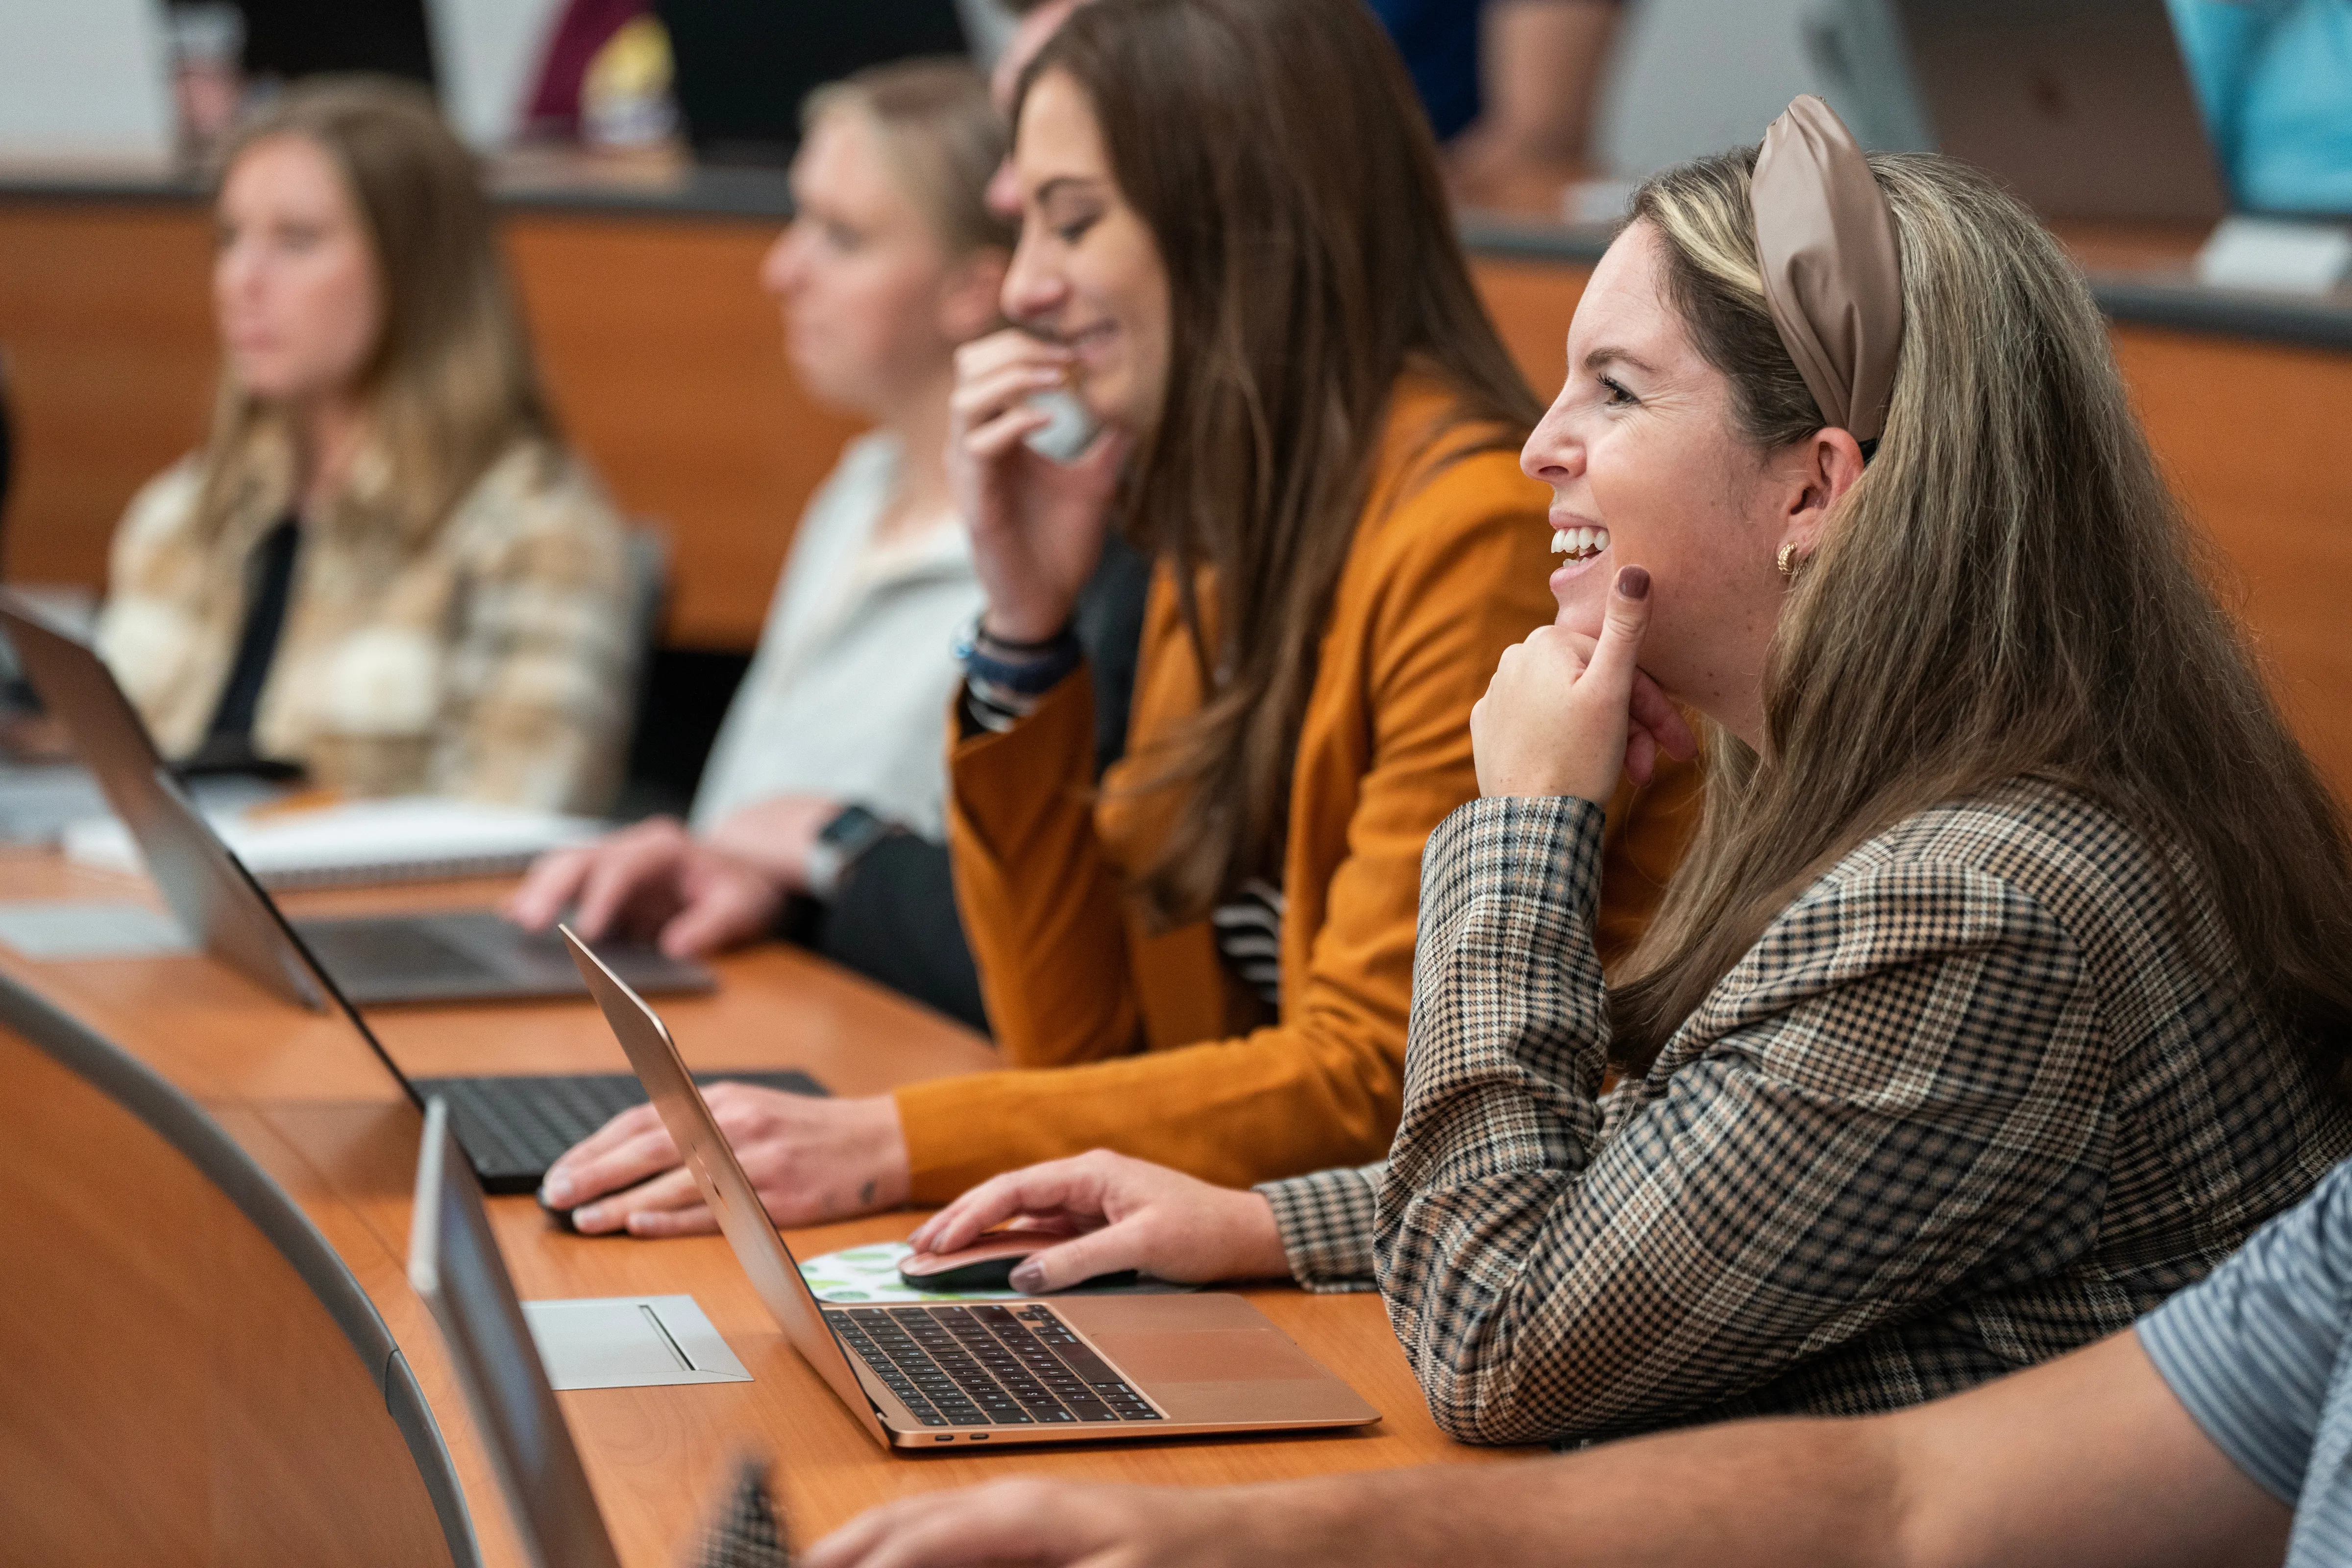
207, 75
625, 97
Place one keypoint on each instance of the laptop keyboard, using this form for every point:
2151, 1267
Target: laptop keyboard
514, 1123
988, 1366
390, 950
512, 1129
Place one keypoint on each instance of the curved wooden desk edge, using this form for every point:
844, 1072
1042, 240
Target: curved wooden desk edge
184, 1125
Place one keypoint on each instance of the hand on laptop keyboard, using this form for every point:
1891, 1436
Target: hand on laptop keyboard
656, 882
811, 1161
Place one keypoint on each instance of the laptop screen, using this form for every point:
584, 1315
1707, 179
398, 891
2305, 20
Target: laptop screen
454, 1263
215, 896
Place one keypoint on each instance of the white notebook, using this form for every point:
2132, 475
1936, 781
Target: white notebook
410, 840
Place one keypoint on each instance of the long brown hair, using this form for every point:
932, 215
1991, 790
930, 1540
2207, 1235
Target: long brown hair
1277, 152
2010, 589
450, 385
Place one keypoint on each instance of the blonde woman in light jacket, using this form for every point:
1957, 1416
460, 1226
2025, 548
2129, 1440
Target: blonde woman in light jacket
383, 565
846, 698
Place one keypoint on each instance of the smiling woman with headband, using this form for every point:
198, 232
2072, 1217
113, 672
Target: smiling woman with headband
2001, 994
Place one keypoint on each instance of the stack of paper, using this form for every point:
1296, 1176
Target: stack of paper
410, 840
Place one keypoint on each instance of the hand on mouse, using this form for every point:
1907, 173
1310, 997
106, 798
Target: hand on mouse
1120, 1214
811, 1159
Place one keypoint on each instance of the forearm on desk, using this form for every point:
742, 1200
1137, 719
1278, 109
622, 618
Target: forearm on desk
1265, 1106
1326, 1219
2089, 1459
1781, 1493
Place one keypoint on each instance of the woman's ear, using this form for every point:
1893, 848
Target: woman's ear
1827, 464
971, 294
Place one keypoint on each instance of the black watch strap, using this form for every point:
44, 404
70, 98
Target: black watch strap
839, 843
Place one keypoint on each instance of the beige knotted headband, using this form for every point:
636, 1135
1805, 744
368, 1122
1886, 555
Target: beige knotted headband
1833, 276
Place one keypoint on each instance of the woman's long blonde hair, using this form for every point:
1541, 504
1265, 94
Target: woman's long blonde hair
2010, 589
450, 385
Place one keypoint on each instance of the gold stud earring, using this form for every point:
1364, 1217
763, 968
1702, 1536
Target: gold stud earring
1786, 561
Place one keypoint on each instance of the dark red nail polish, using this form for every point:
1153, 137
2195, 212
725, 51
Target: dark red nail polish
1633, 582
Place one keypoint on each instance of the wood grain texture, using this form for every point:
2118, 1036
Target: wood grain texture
301, 1094
175, 1391
105, 338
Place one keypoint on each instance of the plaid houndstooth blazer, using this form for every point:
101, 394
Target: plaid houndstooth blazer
1984, 1093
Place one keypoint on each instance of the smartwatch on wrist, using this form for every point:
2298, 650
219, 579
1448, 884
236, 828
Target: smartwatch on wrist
839, 845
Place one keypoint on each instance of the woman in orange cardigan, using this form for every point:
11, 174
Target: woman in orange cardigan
1236, 251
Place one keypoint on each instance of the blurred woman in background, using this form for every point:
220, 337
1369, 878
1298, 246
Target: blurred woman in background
383, 565
837, 736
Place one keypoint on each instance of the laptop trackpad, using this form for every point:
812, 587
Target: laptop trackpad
1228, 1375
629, 1342
1207, 1355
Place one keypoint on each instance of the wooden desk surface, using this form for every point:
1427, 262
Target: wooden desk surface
305, 1098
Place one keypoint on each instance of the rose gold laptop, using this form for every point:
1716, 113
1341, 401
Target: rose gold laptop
1074, 1369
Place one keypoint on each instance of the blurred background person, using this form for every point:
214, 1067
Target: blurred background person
2274, 80
383, 565
836, 740
1510, 88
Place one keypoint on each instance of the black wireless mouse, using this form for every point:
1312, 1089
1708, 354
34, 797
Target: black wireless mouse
988, 1265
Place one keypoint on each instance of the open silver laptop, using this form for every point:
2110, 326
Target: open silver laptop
512, 1128
454, 1263
1074, 1369
452, 955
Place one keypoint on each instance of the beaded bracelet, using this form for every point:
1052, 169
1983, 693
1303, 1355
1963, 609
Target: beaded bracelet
1036, 674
